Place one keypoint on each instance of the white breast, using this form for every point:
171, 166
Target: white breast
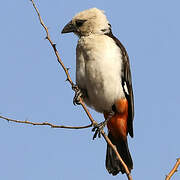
98, 70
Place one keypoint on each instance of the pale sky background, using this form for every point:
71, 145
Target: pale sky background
33, 87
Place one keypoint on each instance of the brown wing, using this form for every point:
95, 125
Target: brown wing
126, 82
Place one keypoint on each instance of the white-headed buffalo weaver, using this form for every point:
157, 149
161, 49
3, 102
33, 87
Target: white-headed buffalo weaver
104, 78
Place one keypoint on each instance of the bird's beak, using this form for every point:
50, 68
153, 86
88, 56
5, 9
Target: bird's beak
69, 28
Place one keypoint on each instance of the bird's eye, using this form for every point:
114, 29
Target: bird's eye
80, 22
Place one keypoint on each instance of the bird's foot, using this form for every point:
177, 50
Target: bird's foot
78, 95
98, 128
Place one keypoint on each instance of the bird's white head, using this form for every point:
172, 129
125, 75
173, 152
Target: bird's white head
87, 22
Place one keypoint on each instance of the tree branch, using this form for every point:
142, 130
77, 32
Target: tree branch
168, 177
44, 124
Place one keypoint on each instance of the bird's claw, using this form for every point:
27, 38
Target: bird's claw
78, 95
98, 128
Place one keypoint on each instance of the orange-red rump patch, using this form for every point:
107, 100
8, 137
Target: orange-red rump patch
117, 125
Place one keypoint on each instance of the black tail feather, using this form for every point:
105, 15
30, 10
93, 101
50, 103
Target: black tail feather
113, 164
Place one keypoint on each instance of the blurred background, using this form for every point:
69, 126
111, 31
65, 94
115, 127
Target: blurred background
33, 88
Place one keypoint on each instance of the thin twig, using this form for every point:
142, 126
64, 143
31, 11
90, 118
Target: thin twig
81, 101
174, 169
52, 44
44, 124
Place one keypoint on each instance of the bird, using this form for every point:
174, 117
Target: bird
104, 78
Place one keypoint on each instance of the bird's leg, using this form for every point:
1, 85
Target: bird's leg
79, 93
77, 96
99, 127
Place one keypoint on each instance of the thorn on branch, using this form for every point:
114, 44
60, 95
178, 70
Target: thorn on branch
67, 80
54, 46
